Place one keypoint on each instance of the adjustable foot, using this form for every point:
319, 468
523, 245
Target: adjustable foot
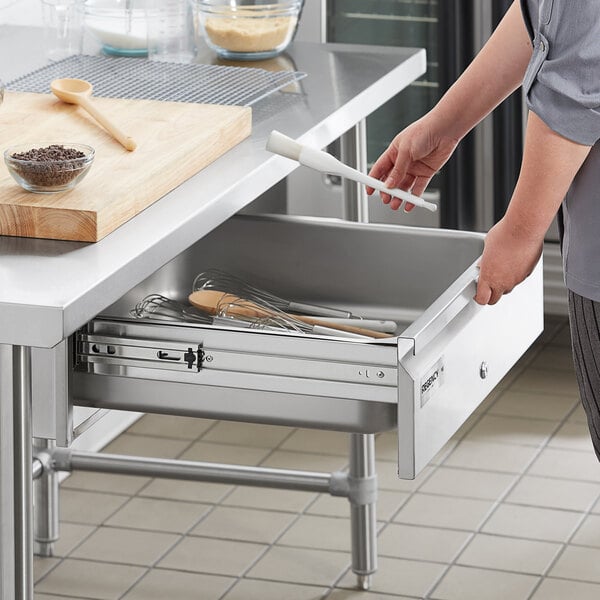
363, 582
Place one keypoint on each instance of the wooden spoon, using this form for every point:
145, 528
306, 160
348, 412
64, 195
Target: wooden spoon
211, 301
79, 91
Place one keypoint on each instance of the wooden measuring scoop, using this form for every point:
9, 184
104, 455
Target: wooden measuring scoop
79, 91
212, 301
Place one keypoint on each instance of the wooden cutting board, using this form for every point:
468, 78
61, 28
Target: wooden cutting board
175, 140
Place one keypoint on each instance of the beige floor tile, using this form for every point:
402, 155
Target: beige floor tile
304, 461
421, 543
487, 403
90, 579
207, 555
567, 464
552, 325
358, 595
386, 445
572, 436
325, 533
192, 491
387, 478
509, 554
465, 583
161, 584
37, 596
554, 493
596, 507
589, 532
388, 503
105, 482
562, 337
225, 453
247, 434
301, 565
532, 522
321, 442
468, 483
488, 456
158, 515
578, 415
446, 450
171, 426
232, 523
511, 430
42, 566
399, 576
126, 546
554, 357
71, 535
88, 507
533, 405
560, 589
578, 562
253, 589
269, 499
446, 512
143, 445
544, 381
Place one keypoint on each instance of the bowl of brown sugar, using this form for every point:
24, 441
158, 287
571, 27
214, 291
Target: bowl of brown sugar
49, 169
247, 29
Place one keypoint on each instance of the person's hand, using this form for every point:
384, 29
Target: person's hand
509, 256
412, 159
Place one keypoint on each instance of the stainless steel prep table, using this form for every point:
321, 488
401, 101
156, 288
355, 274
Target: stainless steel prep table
49, 289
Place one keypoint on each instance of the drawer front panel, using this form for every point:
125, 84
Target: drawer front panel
446, 378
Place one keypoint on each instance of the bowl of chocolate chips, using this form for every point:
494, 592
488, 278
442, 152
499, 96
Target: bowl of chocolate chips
48, 168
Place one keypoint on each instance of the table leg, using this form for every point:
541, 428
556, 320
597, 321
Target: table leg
22, 468
45, 516
362, 515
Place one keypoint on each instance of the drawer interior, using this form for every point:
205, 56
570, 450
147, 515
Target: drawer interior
375, 271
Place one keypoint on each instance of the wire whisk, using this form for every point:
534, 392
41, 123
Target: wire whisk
157, 306
216, 279
162, 307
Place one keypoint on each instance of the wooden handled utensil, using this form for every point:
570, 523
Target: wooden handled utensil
213, 301
79, 91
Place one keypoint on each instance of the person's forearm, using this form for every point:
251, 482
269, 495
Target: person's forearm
493, 75
550, 162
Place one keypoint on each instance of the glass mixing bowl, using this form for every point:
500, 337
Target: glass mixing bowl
48, 168
120, 26
247, 29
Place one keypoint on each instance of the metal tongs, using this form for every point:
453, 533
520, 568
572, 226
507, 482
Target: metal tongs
326, 163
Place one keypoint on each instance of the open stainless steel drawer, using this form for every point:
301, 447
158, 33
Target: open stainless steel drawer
448, 356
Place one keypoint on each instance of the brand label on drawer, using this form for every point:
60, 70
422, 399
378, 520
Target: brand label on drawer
432, 381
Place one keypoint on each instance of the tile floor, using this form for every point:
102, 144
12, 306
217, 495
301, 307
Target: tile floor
509, 510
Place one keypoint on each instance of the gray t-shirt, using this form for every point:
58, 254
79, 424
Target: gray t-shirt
562, 87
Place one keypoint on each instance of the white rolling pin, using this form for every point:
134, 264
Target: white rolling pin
326, 163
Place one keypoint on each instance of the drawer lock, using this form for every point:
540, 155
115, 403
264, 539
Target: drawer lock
483, 370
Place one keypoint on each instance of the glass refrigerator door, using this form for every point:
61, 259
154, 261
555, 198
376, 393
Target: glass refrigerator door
471, 191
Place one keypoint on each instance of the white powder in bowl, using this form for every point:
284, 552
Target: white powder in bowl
244, 34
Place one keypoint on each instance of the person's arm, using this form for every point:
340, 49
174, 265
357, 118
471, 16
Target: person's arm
418, 152
513, 246
495, 73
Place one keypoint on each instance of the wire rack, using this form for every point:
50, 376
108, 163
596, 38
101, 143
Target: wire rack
149, 80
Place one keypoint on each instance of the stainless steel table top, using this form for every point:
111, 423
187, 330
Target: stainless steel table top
50, 288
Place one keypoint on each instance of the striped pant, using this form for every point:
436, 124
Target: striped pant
584, 318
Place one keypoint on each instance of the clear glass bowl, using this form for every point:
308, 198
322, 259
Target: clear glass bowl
120, 27
48, 173
247, 29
